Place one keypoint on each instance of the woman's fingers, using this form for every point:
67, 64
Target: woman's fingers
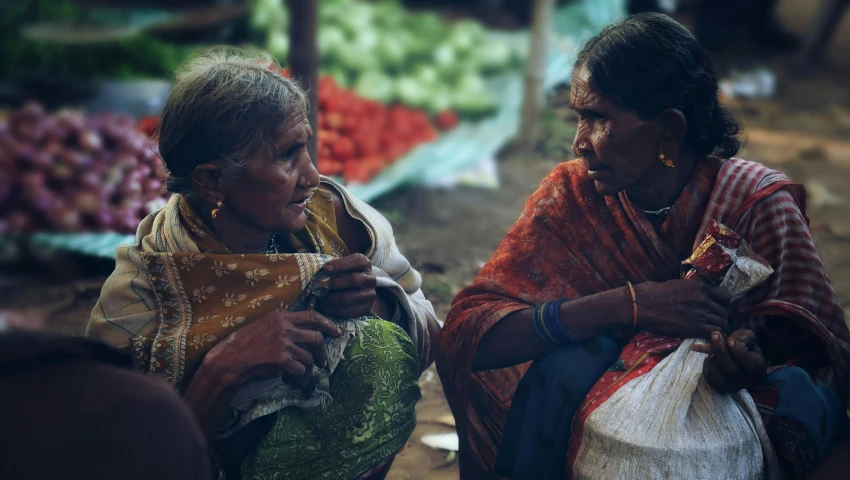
352, 263
717, 310
313, 341
354, 281
718, 323
749, 358
715, 377
722, 359
316, 321
746, 337
293, 367
719, 295
709, 324
349, 297
302, 356
347, 311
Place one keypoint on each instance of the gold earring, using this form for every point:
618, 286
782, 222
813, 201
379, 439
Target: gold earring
215, 210
666, 161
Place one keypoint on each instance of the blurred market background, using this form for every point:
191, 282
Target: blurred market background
420, 107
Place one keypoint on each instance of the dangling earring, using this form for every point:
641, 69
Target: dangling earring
666, 161
215, 210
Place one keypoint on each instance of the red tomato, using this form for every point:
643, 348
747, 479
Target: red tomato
342, 148
359, 137
323, 152
330, 167
446, 120
367, 146
148, 125
429, 134
373, 165
328, 137
334, 120
354, 172
349, 125
327, 84
397, 149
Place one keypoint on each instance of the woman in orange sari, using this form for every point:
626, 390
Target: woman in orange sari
595, 259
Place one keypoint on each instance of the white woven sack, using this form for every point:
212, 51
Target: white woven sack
670, 424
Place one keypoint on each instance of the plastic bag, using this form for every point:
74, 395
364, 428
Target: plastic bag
669, 423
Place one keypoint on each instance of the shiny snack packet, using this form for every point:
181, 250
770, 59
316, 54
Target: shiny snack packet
725, 259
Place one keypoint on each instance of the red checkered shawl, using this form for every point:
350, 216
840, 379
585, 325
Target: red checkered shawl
572, 242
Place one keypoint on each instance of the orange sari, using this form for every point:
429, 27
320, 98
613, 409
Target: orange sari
571, 242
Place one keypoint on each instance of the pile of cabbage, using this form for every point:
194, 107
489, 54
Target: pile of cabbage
388, 54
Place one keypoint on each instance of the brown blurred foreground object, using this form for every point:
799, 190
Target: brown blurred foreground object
835, 465
72, 409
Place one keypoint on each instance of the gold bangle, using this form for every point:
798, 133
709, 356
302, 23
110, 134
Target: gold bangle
634, 304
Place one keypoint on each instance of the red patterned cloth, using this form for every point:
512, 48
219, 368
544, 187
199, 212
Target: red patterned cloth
571, 242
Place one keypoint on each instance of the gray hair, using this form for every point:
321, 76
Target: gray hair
223, 106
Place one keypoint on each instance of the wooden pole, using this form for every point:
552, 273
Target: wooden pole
535, 72
304, 58
827, 19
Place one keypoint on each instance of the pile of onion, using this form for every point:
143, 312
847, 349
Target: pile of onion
71, 172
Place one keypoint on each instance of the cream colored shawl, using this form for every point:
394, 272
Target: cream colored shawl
128, 309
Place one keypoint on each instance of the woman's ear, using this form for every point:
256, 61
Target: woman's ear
207, 182
675, 128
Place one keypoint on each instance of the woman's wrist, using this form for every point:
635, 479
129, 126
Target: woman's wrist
598, 314
385, 306
625, 308
546, 319
209, 393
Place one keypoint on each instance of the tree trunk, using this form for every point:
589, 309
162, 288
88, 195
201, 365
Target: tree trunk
304, 58
535, 73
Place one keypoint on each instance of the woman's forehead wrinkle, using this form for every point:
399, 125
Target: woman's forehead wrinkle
583, 96
291, 131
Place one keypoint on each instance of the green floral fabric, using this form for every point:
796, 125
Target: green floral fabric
374, 390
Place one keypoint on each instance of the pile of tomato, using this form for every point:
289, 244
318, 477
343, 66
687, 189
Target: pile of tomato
359, 137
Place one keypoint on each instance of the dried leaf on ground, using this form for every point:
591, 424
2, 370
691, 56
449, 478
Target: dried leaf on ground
446, 420
819, 195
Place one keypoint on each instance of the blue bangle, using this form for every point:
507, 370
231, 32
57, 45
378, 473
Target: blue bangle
539, 327
547, 323
553, 321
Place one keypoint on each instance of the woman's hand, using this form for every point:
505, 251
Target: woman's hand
682, 308
280, 344
352, 289
733, 364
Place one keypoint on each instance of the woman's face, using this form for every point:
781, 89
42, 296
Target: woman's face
618, 148
271, 193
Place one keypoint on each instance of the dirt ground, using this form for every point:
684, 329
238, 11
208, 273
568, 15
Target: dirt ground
803, 130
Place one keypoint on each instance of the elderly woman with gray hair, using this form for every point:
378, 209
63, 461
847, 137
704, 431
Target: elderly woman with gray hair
275, 301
